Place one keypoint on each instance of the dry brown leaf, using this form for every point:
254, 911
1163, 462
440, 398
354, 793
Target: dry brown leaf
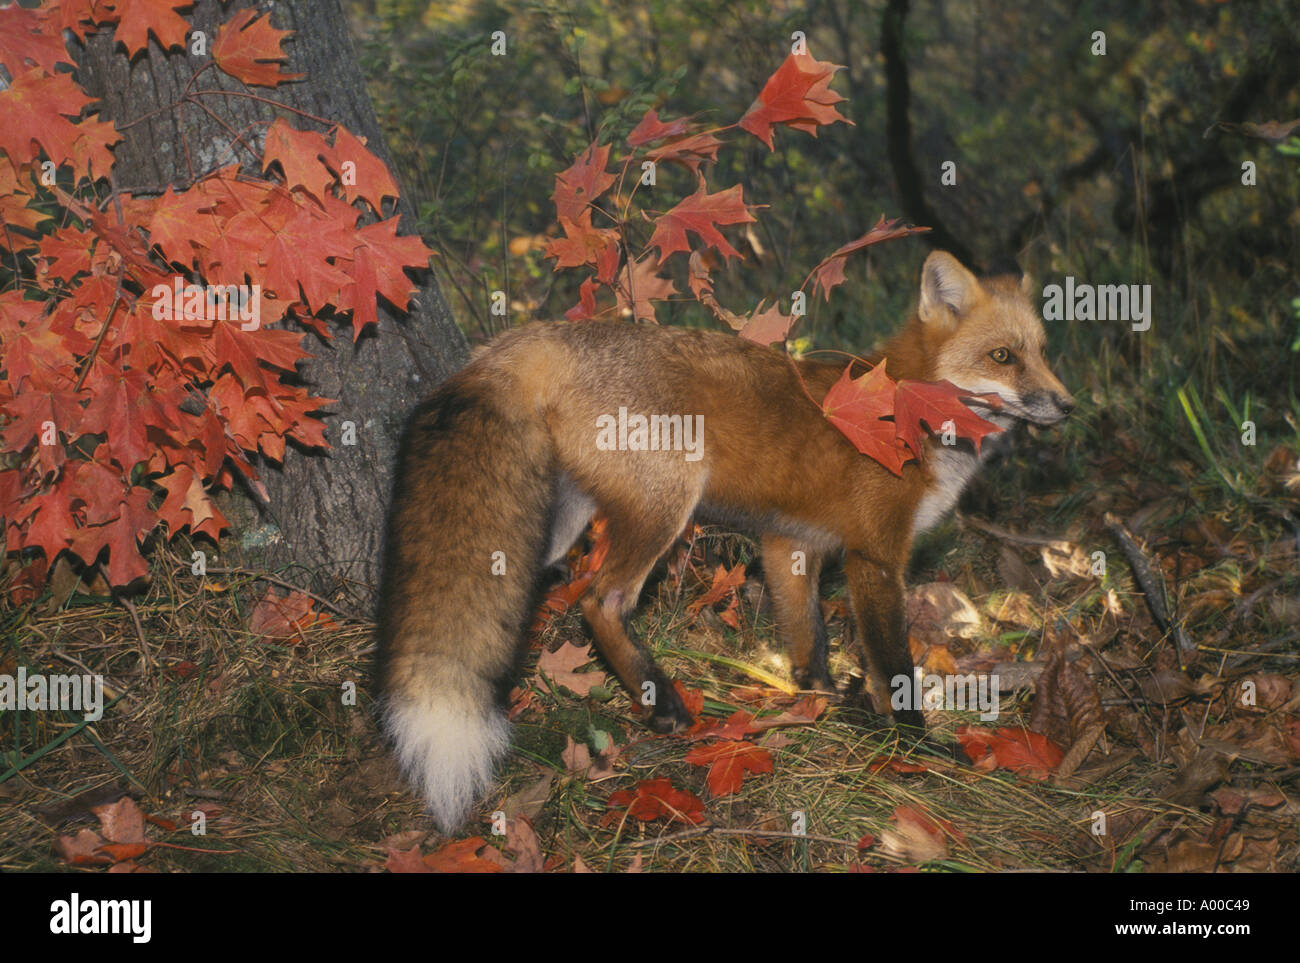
915, 838
1207, 769
1168, 686
577, 760
527, 850
528, 802
1232, 800
83, 849
560, 666
1014, 572
1066, 704
121, 822
1270, 691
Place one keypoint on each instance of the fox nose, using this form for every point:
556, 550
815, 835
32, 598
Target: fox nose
1064, 402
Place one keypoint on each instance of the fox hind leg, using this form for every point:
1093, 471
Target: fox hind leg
635, 545
792, 572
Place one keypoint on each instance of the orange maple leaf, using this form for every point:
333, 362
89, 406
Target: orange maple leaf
638, 285
250, 52
1027, 753
136, 19
934, 404
797, 95
699, 214
724, 583
655, 799
461, 856
582, 183
858, 407
728, 762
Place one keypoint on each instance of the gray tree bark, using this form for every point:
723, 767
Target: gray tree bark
327, 509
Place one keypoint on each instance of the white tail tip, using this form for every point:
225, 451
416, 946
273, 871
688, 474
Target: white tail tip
449, 752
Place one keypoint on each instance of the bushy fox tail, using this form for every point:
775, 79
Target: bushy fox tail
469, 523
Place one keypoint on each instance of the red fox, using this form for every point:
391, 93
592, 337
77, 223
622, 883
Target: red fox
504, 465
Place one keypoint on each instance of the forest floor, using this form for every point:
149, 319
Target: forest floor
239, 732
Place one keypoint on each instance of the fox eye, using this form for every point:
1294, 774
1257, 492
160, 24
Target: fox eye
1002, 355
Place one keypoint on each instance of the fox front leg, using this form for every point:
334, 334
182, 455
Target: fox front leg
876, 592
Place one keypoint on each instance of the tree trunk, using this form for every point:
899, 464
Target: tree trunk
327, 508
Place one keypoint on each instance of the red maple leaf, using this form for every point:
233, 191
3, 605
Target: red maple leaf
651, 128
37, 107
1028, 753
799, 95
728, 762
361, 173
657, 799
736, 726
300, 253
582, 183
935, 404
857, 407
172, 226
638, 285
136, 519
124, 405
27, 37
585, 309
136, 19
378, 267
700, 213
583, 244
250, 51
299, 154
188, 504
692, 699
690, 151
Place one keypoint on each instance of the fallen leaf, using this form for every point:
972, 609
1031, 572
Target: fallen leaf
655, 799
560, 666
728, 763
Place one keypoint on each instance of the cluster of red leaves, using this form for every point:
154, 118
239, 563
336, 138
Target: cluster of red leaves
724, 748
113, 392
798, 95
884, 420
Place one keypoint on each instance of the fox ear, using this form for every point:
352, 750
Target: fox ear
1026, 285
948, 290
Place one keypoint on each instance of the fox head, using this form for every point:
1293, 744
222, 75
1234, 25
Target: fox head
985, 335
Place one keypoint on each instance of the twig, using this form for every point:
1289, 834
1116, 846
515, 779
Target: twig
277, 581
111, 690
139, 631
1152, 585
1006, 535
724, 831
